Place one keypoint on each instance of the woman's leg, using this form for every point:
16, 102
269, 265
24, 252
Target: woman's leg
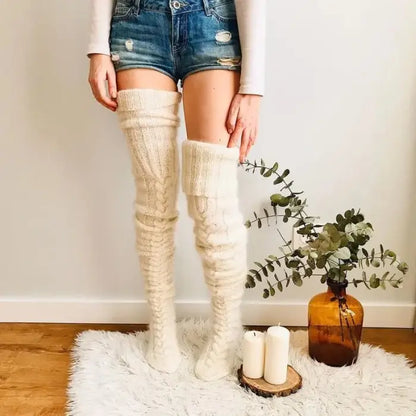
144, 78
147, 111
209, 180
207, 97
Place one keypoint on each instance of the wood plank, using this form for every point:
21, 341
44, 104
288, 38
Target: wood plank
34, 361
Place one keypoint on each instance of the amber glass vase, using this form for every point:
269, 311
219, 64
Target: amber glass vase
335, 321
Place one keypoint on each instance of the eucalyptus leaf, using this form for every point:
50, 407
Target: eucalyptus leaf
335, 247
342, 253
285, 173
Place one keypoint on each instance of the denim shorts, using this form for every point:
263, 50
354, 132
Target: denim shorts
175, 37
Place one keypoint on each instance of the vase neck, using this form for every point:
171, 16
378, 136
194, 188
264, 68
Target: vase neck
337, 289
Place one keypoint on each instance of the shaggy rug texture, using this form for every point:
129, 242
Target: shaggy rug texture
110, 377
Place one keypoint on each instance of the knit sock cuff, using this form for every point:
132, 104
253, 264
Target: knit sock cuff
209, 169
146, 98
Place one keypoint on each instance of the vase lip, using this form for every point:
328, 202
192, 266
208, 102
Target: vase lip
331, 282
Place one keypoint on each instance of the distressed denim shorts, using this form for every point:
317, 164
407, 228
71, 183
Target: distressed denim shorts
176, 37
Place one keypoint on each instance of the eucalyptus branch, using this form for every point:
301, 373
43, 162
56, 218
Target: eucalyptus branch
268, 171
334, 249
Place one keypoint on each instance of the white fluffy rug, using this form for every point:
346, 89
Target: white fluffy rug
109, 377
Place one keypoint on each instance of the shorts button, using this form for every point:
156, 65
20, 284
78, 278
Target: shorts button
176, 4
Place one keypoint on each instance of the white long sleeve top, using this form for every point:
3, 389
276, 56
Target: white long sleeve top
251, 18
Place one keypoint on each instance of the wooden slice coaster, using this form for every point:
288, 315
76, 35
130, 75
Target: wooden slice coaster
262, 388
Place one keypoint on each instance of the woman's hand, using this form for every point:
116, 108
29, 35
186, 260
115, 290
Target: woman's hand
102, 69
242, 121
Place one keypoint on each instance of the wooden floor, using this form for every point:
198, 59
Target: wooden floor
34, 361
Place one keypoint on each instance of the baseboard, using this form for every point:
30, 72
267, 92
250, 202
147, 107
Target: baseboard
136, 311
376, 315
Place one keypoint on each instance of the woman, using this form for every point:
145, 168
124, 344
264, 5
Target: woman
217, 49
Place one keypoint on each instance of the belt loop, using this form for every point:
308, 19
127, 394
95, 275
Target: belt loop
207, 7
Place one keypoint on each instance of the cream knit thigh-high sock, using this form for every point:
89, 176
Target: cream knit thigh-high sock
149, 120
209, 180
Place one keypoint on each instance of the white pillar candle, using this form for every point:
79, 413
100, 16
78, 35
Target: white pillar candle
253, 354
276, 354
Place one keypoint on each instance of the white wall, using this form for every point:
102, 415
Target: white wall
339, 112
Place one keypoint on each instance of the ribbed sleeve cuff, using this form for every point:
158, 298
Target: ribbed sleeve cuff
209, 169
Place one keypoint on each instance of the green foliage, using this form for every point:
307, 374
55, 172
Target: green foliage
331, 251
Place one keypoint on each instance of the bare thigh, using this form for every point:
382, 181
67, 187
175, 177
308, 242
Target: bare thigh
207, 96
144, 78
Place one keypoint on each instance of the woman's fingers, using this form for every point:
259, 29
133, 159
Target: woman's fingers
102, 69
98, 90
242, 119
245, 142
252, 140
112, 107
102, 96
237, 133
233, 113
112, 84
248, 148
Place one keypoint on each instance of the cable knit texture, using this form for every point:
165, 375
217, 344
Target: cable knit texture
149, 120
209, 180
